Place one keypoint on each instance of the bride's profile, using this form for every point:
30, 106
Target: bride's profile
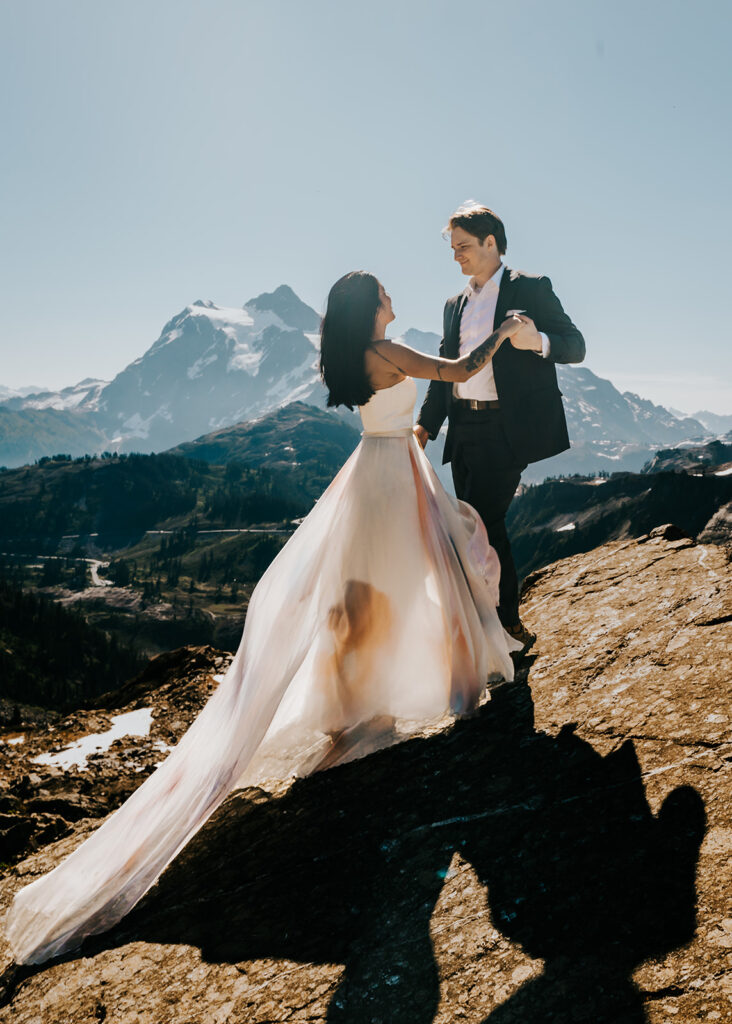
379, 614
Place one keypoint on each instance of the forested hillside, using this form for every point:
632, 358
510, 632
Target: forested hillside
118, 498
50, 655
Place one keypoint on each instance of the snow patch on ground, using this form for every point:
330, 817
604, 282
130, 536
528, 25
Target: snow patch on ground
131, 723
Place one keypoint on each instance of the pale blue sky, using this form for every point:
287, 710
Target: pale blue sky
158, 152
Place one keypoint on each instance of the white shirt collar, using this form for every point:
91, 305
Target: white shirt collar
491, 285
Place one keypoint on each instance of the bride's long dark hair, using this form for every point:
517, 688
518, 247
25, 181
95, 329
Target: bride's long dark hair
345, 334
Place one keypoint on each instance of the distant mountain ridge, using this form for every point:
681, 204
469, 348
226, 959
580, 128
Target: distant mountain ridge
6, 393
83, 395
713, 421
714, 457
27, 434
215, 366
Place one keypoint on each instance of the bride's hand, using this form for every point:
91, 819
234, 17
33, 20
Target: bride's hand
510, 326
421, 434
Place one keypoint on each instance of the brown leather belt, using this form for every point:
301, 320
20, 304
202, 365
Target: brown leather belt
475, 404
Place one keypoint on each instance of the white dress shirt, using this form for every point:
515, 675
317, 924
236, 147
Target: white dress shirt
476, 324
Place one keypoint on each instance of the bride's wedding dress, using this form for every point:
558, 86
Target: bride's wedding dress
378, 615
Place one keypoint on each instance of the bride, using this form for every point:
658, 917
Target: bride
378, 614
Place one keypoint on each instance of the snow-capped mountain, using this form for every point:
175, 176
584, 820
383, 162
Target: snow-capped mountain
610, 431
83, 396
7, 393
214, 366
211, 366
597, 411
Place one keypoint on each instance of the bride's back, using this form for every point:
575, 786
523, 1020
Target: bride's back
390, 409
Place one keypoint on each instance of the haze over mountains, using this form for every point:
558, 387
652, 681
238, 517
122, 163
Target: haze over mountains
213, 367
713, 421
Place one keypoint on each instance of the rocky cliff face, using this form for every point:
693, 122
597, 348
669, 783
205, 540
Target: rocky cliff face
562, 856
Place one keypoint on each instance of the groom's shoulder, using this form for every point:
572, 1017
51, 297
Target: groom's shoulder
522, 275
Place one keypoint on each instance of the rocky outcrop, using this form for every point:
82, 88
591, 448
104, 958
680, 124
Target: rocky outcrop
564, 855
719, 528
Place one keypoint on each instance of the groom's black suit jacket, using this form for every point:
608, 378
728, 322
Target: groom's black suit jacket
529, 396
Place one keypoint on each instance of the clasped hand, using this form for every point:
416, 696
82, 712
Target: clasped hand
525, 336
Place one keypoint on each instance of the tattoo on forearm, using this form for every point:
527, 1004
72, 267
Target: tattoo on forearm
483, 352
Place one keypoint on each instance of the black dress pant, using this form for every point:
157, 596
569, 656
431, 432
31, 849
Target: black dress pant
486, 473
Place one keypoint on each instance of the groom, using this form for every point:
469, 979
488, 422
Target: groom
510, 413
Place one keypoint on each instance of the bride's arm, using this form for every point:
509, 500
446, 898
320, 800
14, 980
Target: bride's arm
417, 364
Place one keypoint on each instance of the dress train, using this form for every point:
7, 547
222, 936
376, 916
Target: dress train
377, 616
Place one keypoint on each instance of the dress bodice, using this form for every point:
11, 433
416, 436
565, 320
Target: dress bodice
390, 410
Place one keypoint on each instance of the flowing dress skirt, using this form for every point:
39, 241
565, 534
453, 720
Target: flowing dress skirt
381, 606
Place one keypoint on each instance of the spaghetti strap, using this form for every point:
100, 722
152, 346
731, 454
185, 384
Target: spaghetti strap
386, 359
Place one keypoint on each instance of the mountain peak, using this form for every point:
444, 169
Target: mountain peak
713, 421
288, 307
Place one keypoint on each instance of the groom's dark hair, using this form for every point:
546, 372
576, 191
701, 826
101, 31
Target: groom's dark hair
478, 221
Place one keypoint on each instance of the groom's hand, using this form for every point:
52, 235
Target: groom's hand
421, 434
526, 337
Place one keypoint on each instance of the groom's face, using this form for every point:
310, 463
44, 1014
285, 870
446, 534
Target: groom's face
475, 257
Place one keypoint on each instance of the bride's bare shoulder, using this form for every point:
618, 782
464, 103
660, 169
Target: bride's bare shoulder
381, 369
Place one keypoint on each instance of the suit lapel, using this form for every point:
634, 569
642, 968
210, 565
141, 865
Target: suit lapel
457, 313
505, 294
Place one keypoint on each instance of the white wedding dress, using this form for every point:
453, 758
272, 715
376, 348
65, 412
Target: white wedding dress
377, 616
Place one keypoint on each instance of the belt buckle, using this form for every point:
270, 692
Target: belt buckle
474, 404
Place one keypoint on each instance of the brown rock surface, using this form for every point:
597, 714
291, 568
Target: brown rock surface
563, 856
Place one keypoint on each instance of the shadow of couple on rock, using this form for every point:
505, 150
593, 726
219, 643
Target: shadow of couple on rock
348, 865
